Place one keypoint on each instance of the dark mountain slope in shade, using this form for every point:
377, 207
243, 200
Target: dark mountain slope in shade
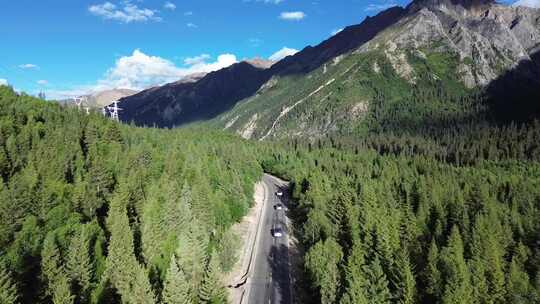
180, 103
515, 95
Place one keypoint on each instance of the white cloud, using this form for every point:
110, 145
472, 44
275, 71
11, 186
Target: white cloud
292, 16
284, 52
28, 66
197, 59
140, 71
188, 13
169, 5
42, 82
191, 25
127, 14
335, 32
3, 82
378, 7
527, 3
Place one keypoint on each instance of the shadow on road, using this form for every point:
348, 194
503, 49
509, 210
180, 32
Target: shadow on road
279, 264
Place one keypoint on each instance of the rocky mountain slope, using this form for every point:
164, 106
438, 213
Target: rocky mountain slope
427, 69
435, 62
103, 98
179, 103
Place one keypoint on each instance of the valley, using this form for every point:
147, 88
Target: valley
395, 162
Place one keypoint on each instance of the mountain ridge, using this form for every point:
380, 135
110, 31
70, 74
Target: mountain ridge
439, 48
465, 44
152, 111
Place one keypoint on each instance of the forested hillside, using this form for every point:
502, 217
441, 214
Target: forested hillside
409, 219
92, 211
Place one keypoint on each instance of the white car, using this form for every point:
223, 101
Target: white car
279, 193
277, 232
278, 207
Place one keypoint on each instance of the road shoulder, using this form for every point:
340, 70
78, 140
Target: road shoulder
246, 230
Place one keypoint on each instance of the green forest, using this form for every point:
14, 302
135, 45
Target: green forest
92, 211
402, 219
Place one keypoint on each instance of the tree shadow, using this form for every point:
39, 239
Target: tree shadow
279, 264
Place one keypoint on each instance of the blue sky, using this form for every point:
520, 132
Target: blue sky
67, 47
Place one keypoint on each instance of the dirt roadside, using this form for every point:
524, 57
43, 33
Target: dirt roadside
246, 230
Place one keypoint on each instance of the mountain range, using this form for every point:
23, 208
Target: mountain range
101, 98
434, 62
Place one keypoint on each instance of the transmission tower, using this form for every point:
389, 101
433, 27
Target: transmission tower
78, 101
82, 103
114, 111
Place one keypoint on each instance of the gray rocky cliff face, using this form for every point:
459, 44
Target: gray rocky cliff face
489, 38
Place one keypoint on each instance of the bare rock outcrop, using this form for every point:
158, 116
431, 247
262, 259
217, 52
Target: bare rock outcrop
489, 38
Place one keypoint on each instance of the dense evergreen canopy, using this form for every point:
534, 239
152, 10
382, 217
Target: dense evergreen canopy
92, 211
404, 219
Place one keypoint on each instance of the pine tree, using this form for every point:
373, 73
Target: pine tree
519, 287
176, 289
51, 264
8, 289
406, 283
79, 263
201, 204
322, 261
177, 215
192, 255
355, 278
62, 293
141, 291
212, 290
432, 275
480, 290
377, 290
457, 288
120, 261
122, 268
487, 263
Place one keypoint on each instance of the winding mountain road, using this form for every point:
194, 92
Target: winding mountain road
269, 280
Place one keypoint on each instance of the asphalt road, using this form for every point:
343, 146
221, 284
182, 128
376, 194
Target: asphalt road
270, 279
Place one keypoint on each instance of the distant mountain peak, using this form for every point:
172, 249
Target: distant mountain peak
260, 63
